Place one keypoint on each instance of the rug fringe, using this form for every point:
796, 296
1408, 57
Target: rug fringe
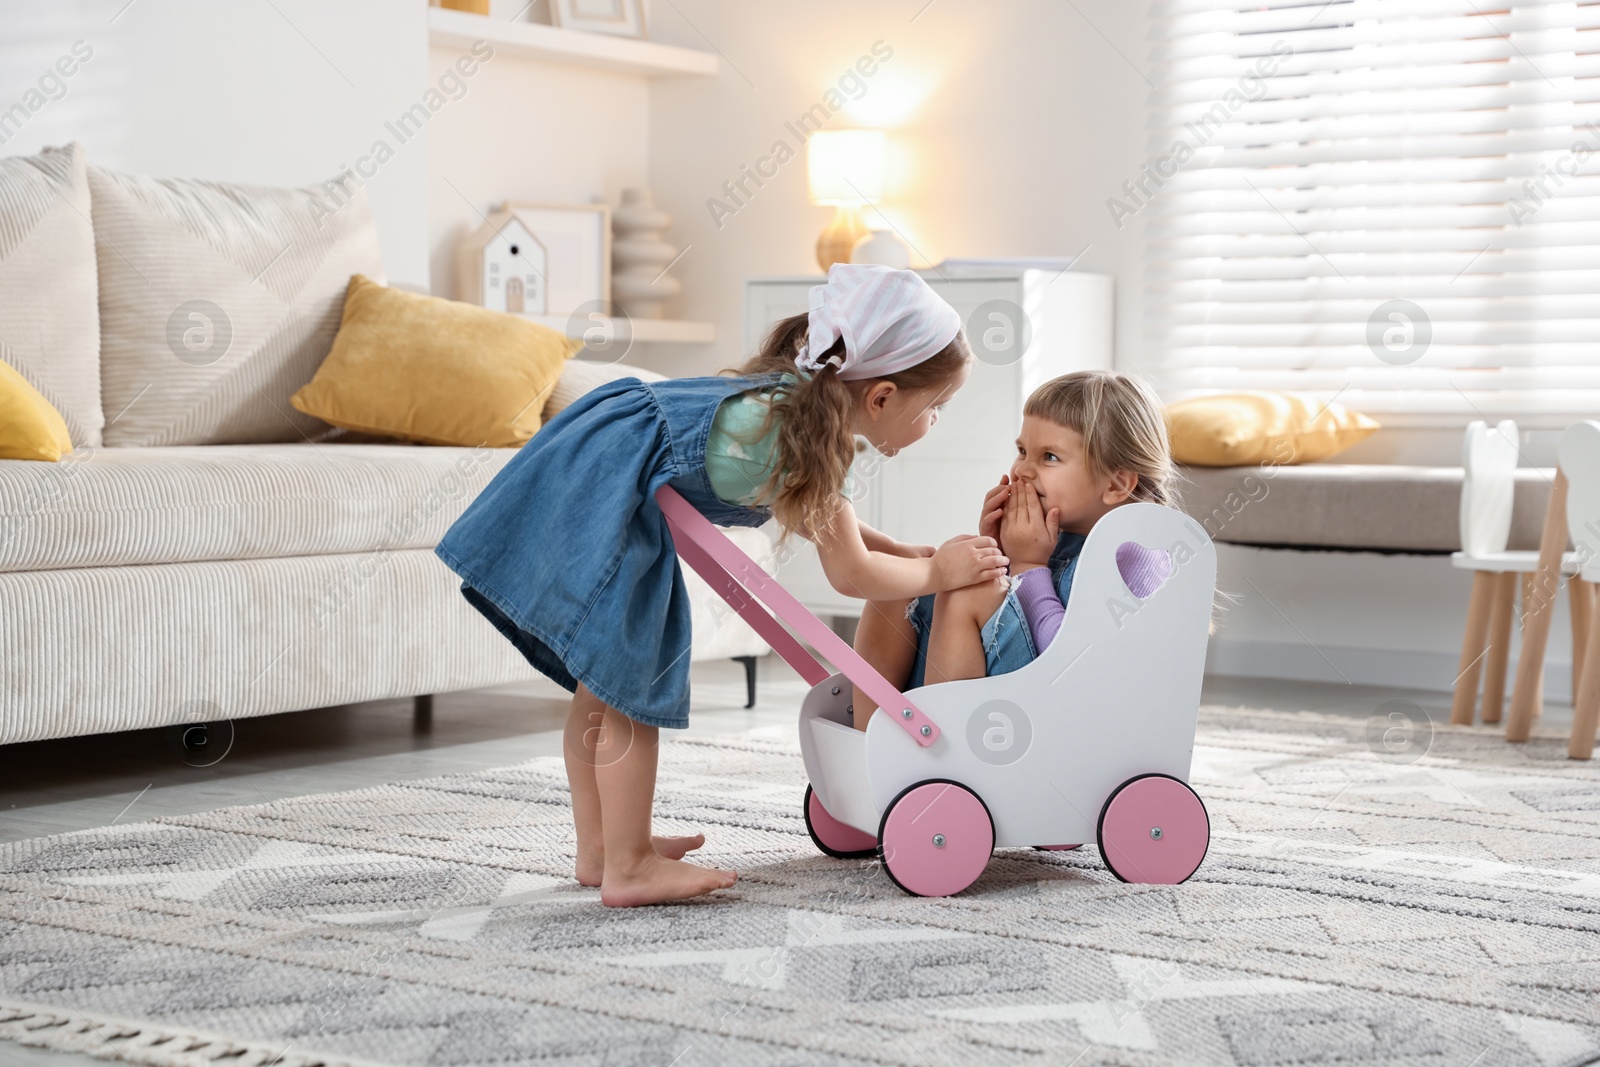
147, 1043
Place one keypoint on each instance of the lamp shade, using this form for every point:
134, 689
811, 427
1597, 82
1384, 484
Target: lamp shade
845, 166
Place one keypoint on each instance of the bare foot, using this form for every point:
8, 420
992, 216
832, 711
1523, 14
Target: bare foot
659, 879
591, 868
674, 848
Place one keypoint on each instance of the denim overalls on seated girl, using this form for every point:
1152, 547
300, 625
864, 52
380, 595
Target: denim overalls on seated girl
1007, 639
567, 553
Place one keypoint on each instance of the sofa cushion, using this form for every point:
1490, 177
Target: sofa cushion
49, 315
217, 302
438, 371
117, 506
1349, 506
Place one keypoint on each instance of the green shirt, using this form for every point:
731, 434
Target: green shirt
739, 457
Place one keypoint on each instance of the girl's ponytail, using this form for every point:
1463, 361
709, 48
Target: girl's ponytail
816, 439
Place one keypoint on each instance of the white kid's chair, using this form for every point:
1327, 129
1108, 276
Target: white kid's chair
1489, 463
1579, 456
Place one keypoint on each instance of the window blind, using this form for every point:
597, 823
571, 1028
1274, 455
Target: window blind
1395, 202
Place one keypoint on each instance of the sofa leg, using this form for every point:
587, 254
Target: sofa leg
422, 714
749, 679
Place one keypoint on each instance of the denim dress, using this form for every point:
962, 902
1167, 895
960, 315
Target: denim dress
1007, 641
567, 553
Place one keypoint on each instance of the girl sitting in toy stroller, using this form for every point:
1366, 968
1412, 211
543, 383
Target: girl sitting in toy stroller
1090, 441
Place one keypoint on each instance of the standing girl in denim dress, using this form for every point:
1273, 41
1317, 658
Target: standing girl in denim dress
567, 553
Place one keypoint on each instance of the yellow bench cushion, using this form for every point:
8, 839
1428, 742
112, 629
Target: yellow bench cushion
1246, 428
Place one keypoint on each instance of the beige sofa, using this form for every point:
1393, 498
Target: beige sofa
206, 553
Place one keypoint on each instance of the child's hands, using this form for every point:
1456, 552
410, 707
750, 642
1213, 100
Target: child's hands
994, 506
1027, 534
967, 560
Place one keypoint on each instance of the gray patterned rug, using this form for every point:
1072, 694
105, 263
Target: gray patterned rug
1442, 910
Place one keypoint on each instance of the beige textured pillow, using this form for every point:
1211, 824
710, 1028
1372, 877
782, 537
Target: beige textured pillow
49, 318
217, 302
579, 376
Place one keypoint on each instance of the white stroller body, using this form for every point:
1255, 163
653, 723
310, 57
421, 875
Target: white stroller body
1092, 740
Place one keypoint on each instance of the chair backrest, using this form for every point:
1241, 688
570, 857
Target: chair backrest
1578, 452
1489, 463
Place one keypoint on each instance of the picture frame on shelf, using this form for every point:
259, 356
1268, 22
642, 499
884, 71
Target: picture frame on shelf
575, 241
620, 18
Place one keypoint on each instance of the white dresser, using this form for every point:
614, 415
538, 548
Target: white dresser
1026, 327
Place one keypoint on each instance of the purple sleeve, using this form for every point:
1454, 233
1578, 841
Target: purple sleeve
1036, 591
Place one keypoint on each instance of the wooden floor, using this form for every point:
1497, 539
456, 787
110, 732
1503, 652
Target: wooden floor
49, 787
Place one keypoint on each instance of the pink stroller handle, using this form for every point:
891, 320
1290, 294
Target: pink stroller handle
735, 577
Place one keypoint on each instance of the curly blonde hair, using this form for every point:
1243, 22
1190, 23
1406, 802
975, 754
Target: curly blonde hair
816, 444
1122, 426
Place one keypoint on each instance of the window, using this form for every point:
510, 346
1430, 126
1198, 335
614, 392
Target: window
1396, 202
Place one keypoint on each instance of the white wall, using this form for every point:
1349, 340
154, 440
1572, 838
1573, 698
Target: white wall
527, 130
1010, 125
1358, 617
278, 94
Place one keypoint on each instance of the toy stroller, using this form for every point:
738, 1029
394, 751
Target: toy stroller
1095, 735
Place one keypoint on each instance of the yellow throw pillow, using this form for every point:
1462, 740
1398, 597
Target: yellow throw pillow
436, 371
30, 428
1243, 429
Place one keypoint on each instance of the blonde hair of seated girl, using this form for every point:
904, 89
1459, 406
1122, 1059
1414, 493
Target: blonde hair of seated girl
1090, 441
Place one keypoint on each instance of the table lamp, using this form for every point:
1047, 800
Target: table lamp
844, 168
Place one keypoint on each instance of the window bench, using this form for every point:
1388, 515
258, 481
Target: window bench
1349, 507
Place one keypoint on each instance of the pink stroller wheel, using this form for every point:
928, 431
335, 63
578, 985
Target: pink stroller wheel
1154, 830
936, 838
833, 837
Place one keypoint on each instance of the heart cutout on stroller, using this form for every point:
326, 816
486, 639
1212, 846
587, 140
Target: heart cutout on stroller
1144, 570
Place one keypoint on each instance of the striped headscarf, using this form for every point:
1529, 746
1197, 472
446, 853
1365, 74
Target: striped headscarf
889, 319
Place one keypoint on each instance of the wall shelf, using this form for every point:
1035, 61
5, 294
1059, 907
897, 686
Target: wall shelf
531, 40
655, 331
